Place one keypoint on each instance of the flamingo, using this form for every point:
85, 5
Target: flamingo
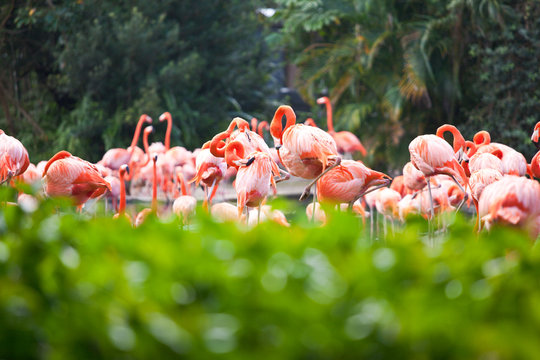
184, 206
209, 171
114, 158
535, 165
223, 212
143, 214
514, 163
536, 135
31, 175
348, 182
512, 200
399, 185
254, 178
478, 182
346, 141
413, 179
386, 202
68, 175
432, 155
124, 169
305, 151
267, 213
13, 158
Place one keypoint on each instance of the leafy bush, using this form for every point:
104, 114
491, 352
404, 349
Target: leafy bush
73, 287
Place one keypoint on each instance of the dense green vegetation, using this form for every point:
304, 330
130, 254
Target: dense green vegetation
95, 288
76, 75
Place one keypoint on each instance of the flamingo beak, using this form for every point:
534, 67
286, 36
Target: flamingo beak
535, 136
321, 100
155, 157
162, 117
250, 161
127, 169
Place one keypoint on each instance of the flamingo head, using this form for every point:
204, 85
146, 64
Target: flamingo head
154, 157
146, 118
124, 169
165, 116
323, 100
536, 133
376, 178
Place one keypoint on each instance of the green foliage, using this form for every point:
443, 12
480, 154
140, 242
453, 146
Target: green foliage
396, 69
505, 85
101, 64
97, 288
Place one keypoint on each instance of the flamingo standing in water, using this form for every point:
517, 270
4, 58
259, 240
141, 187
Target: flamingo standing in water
70, 176
346, 141
124, 169
255, 176
114, 158
432, 155
307, 152
143, 214
13, 158
184, 205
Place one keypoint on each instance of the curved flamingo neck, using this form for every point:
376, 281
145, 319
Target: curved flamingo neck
262, 125
276, 128
137, 134
154, 185
122, 206
180, 178
310, 122
482, 138
217, 145
147, 131
459, 140
168, 117
235, 151
329, 120
242, 124
59, 155
254, 122
471, 148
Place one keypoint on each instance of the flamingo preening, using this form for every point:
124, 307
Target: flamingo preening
432, 155
305, 151
346, 141
69, 176
13, 157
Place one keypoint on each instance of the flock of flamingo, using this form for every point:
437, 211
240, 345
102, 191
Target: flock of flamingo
439, 177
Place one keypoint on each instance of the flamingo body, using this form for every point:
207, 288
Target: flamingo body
13, 157
70, 176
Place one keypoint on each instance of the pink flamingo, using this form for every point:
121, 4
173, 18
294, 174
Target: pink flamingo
348, 182
346, 141
305, 151
114, 158
432, 155
13, 158
514, 201
70, 176
124, 169
514, 163
184, 206
255, 176
143, 214
209, 171
413, 179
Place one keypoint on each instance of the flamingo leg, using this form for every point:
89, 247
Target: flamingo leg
430, 197
259, 215
307, 189
462, 189
213, 193
314, 201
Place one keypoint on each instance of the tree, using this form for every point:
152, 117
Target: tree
98, 65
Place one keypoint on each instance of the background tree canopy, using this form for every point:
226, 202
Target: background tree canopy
396, 69
77, 74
